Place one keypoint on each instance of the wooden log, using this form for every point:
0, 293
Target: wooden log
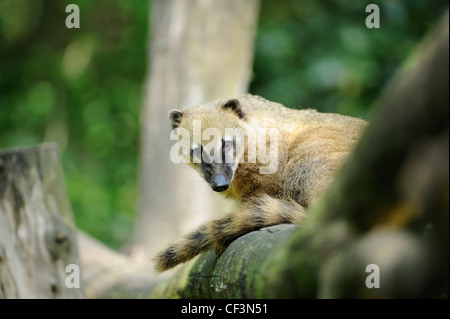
37, 231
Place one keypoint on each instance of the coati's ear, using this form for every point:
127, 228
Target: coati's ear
175, 117
234, 106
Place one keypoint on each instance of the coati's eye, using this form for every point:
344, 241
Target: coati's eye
196, 151
227, 145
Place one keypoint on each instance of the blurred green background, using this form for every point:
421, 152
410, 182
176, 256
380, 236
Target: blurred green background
83, 88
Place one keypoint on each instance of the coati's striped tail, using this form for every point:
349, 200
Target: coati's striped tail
261, 212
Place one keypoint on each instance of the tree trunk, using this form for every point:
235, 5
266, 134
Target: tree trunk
37, 237
200, 50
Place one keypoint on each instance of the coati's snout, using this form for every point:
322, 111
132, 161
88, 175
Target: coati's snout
211, 140
217, 175
220, 183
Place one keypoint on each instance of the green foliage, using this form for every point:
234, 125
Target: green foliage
83, 88
319, 54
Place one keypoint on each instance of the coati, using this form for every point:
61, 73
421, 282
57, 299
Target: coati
308, 148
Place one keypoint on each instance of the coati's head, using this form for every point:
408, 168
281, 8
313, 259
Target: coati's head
211, 140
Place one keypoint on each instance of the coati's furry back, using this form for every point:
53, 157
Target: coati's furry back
309, 148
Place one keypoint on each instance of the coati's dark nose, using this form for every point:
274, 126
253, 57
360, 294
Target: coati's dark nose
220, 183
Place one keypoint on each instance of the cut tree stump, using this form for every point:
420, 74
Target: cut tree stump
37, 231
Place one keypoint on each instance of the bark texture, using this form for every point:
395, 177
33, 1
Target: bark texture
37, 237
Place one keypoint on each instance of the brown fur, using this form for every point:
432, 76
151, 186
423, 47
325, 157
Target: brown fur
311, 147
